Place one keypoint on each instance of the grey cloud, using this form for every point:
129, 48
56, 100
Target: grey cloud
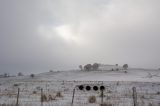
109, 31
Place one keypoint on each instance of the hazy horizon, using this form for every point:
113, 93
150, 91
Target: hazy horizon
38, 36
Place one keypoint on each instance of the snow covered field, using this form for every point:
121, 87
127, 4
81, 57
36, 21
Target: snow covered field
58, 88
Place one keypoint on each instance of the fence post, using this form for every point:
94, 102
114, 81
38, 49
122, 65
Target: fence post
41, 97
101, 97
134, 96
73, 96
17, 103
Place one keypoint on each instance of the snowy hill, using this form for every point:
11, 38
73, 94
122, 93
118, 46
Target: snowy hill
134, 74
144, 75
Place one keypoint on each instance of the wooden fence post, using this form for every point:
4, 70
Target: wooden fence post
17, 103
41, 97
101, 97
73, 96
134, 96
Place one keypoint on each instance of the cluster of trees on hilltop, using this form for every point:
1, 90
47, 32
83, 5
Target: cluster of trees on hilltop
95, 66
89, 67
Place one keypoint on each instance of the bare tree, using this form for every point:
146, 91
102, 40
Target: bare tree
95, 66
50, 70
125, 66
6, 75
20, 74
88, 67
32, 75
81, 67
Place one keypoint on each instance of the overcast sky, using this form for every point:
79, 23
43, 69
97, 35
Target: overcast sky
39, 35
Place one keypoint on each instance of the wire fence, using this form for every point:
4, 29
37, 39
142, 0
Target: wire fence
69, 93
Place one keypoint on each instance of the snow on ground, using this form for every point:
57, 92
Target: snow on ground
143, 75
118, 88
131, 75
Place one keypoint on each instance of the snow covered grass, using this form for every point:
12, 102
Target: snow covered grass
58, 88
115, 93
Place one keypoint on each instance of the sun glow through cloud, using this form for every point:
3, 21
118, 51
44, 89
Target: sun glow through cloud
68, 33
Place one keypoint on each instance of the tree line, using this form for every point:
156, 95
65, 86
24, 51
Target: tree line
95, 66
